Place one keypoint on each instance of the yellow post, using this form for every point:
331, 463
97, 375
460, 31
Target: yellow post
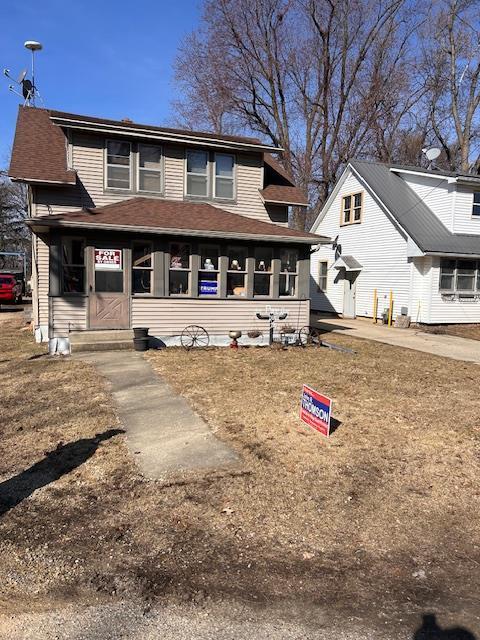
390, 309
375, 306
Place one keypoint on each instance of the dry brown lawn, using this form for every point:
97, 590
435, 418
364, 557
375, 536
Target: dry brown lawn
379, 521
471, 331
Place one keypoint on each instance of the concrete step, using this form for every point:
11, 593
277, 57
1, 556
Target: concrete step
102, 345
121, 335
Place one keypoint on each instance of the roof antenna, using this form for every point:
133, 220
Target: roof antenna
28, 89
431, 153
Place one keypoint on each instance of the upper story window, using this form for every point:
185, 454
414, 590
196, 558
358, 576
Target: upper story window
149, 168
197, 173
224, 176
352, 206
118, 174
476, 203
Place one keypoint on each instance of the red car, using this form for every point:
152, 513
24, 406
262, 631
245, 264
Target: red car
10, 289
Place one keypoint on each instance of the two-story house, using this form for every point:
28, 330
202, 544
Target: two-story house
136, 225
406, 230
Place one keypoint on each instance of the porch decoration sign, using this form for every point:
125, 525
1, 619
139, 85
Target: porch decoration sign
108, 259
316, 410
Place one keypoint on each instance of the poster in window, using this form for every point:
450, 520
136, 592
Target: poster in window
108, 259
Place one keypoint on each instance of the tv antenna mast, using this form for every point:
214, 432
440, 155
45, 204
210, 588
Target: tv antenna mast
28, 89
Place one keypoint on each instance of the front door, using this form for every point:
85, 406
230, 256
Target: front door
108, 296
349, 293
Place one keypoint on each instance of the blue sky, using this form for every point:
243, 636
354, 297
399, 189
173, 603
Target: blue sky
105, 58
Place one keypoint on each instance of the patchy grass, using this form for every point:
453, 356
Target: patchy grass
471, 331
378, 521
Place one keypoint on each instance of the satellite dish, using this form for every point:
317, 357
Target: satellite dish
33, 45
27, 89
21, 77
432, 153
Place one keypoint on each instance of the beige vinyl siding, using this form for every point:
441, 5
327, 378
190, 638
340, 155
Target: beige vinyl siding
88, 161
41, 282
169, 316
69, 314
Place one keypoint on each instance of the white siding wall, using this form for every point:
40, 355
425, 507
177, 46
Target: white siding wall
376, 244
436, 193
69, 314
87, 159
169, 316
41, 282
464, 221
449, 311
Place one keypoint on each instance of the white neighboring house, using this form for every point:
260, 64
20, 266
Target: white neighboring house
408, 230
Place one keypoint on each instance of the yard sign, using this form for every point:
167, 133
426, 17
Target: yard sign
315, 410
108, 259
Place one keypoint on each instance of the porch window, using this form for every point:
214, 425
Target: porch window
288, 272
459, 276
352, 206
142, 267
476, 204
236, 271
224, 176
322, 275
208, 272
149, 168
262, 277
118, 164
197, 173
73, 265
179, 271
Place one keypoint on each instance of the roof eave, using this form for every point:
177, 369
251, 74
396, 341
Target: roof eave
40, 222
42, 180
159, 135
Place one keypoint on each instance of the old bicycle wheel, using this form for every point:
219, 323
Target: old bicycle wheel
308, 335
194, 336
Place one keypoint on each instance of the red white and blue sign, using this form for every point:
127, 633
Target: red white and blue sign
316, 410
208, 287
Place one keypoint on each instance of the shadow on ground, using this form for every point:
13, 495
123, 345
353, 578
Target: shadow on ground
63, 460
430, 630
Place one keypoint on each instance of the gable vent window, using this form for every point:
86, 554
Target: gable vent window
224, 168
352, 206
149, 168
118, 164
476, 204
197, 173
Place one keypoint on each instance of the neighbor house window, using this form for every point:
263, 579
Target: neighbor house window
149, 168
224, 176
322, 275
73, 265
197, 173
352, 205
262, 277
236, 271
179, 271
142, 267
288, 272
476, 204
208, 272
460, 276
118, 164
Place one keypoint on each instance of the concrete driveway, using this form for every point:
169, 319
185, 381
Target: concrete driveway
440, 345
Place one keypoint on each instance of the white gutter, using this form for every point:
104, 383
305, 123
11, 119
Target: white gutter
448, 179
168, 136
38, 181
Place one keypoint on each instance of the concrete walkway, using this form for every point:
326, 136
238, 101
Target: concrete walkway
439, 345
165, 434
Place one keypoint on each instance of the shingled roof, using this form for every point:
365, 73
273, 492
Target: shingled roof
39, 149
280, 194
177, 218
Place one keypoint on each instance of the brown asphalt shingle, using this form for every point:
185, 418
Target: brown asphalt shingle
284, 195
169, 214
39, 149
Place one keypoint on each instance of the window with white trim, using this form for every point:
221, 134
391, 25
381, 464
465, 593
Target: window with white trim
197, 173
118, 164
460, 277
149, 168
224, 176
322, 275
476, 204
